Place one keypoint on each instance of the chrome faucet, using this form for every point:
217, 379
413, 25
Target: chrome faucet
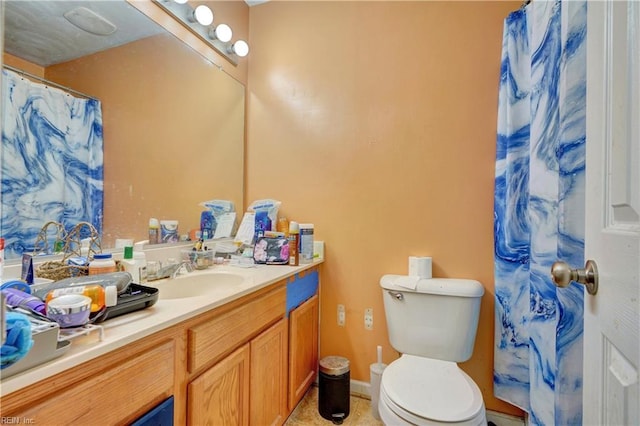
172, 270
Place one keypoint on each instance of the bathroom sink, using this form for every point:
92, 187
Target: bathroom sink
198, 285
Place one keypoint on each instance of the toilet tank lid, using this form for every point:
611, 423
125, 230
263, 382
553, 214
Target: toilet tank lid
444, 286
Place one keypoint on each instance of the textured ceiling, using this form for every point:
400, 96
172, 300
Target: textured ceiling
38, 32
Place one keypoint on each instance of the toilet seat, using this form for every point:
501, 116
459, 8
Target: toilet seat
422, 391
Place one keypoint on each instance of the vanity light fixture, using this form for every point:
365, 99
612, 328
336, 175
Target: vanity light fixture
240, 48
203, 15
222, 32
200, 22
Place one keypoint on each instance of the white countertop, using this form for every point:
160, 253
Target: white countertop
165, 313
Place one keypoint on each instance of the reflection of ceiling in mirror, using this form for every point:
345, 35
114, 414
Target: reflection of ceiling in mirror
38, 32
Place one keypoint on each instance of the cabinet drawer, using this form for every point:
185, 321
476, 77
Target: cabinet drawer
212, 339
116, 396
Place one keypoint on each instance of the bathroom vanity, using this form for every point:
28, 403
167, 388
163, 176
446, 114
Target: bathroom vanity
240, 349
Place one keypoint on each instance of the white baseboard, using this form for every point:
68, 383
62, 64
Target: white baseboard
363, 390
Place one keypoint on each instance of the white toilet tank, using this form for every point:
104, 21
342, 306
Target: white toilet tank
438, 319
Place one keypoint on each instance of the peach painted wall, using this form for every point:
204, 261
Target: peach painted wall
23, 65
376, 121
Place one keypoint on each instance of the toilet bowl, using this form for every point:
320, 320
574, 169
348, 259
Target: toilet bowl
422, 391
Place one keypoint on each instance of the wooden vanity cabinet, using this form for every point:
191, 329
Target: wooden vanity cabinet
243, 363
220, 395
116, 388
248, 386
268, 388
303, 349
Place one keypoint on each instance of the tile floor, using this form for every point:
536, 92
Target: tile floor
306, 413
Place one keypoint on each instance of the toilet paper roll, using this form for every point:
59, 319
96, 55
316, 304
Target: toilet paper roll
420, 266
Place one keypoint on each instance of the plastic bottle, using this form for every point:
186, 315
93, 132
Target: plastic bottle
306, 242
141, 260
294, 244
135, 263
283, 226
102, 263
154, 231
18, 298
100, 296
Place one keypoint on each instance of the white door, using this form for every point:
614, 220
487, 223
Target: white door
612, 237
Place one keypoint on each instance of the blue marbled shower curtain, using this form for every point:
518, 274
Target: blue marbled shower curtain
539, 210
51, 161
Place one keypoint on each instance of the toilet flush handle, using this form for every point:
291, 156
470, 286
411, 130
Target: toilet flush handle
396, 294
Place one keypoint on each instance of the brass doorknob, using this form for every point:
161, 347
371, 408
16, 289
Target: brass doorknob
562, 275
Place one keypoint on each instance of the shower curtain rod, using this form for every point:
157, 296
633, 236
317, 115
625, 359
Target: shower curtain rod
47, 82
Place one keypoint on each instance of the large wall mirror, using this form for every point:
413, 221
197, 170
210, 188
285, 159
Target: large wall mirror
173, 122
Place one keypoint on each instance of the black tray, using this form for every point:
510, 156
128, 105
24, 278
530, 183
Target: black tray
134, 298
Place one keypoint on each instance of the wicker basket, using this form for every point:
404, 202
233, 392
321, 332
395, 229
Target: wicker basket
69, 244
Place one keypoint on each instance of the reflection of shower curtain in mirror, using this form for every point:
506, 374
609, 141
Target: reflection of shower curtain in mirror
539, 211
51, 161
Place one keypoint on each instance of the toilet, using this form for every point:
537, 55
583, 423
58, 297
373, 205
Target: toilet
434, 327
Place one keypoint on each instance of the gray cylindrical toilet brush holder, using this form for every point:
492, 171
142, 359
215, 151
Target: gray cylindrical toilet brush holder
376, 370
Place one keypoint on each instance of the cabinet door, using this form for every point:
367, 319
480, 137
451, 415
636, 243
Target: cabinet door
303, 349
268, 405
220, 396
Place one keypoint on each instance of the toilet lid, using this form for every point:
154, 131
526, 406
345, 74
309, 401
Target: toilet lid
431, 389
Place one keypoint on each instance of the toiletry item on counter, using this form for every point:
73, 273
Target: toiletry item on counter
20, 299
262, 224
27, 268
70, 310
306, 242
102, 263
169, 231
207, 225
120, 280
266, 214
154, 231
283, 226
100, 296
135, 263
272, 250
294, 243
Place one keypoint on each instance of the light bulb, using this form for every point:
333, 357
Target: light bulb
240, 48
222, 32
203, 15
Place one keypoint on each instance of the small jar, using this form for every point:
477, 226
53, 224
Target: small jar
102, 263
